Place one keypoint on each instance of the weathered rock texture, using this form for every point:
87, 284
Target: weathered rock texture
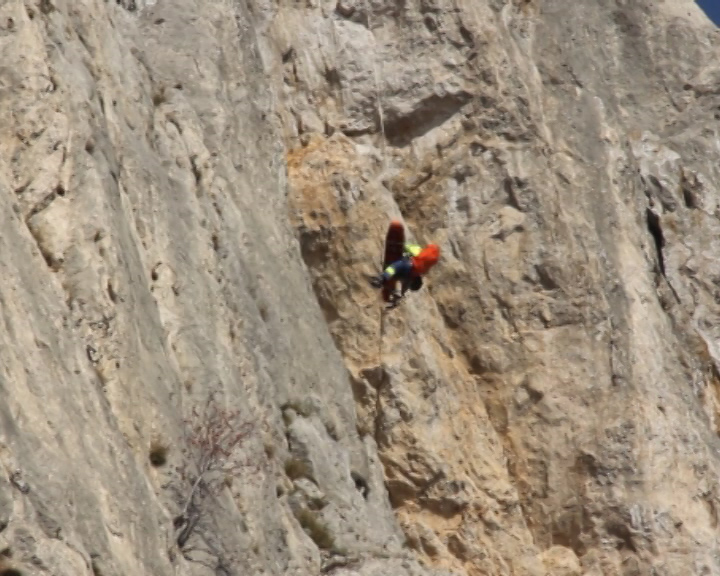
192, 194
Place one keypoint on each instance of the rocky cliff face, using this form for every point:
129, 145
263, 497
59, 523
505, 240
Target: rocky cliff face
192, 196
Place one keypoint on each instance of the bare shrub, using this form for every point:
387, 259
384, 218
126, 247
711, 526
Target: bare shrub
269, 449
214, 438
159, 96
296, 468
316, 529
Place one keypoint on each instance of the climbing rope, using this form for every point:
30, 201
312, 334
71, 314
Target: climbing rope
381, 361
377, 74
383, 376
377, 77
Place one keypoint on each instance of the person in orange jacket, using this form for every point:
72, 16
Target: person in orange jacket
416, 262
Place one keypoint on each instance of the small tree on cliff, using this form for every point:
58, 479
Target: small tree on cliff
214, 438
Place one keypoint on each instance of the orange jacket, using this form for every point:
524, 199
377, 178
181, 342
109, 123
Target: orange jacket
426, 259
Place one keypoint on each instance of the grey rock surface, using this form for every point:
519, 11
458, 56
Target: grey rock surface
147, 262
192, 194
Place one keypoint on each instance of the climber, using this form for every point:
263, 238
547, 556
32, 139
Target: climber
409, 270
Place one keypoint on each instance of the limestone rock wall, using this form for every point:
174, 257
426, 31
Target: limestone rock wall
549, 402
147, 262
192, 196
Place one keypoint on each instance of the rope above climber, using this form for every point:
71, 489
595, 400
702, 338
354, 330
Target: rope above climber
404, 263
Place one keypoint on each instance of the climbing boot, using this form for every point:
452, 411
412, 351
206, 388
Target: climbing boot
376, 281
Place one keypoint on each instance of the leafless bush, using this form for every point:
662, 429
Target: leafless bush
316, 529
214, 438
295, 468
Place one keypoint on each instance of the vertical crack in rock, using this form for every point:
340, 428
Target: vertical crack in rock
655, 229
